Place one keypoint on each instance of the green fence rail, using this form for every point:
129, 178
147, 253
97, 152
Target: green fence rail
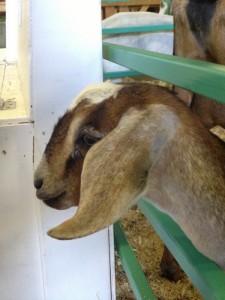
205, 78
137, 29
132, 29
208, 278
137, 279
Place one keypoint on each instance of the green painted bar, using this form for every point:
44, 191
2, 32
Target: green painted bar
135, 275
134, 29
207, 79
208, 278
119, 74
114, 1
167, 12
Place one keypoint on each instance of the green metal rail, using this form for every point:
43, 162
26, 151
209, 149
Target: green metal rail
118, 74
205, 78
136, 29
133, 29
208, 278
168, 2
135, 275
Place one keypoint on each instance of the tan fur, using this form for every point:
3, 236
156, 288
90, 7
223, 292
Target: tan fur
145, 130
211, 48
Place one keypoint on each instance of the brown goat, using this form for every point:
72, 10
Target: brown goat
199, 29
199, 33
118, 142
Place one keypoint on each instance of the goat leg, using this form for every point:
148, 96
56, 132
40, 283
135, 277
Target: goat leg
169, 267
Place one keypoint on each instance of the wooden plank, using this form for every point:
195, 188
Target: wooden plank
123, 8
112, 7
109, 11
144, 8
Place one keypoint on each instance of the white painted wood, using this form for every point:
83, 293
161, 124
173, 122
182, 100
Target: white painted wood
77, 269
23, 48
58, 54
20, 264
65, 57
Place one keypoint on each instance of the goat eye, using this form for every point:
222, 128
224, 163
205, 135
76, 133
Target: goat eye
90, 140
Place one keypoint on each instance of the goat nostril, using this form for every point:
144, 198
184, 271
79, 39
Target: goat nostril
38, 183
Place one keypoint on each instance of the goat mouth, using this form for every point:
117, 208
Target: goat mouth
57, 202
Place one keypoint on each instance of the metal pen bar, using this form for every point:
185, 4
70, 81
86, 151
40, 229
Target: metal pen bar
136, 29
205, 78
135, 275
118, 74
208, 278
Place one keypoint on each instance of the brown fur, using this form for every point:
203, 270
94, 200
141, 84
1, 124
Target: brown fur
206, 43
169, 266
143, 132
210, 47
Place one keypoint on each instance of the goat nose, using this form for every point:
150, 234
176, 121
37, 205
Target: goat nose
38, 183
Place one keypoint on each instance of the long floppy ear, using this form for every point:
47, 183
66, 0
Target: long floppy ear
115, 172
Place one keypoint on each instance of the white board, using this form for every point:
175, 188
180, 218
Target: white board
59, 52
20, 263
66, 56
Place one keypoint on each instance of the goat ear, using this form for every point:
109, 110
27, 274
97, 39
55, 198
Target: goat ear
114, 174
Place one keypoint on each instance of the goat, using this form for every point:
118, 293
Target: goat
198, 34
199, 31
119, 142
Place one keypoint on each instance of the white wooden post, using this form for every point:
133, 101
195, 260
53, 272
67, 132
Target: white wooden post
58, 54
66, 56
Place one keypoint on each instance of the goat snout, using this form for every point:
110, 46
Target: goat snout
38, 182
